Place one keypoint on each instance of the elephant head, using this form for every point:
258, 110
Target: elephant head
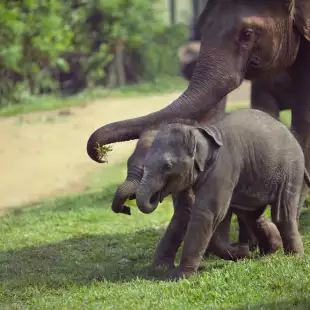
177, 156
135, 163
240, 39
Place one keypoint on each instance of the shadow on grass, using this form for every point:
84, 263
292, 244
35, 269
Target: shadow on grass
82, 260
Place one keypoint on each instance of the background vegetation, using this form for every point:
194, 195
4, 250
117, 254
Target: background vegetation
69, 46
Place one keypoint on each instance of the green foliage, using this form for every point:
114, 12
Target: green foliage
32, 37
159, 53
46, 46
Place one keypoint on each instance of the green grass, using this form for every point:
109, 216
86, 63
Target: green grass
52, 102
75, 253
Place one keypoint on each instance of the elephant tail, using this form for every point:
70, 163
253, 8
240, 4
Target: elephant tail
307, 178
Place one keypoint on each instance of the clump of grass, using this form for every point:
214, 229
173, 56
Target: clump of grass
102, 152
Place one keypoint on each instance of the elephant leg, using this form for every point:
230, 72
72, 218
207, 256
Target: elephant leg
284, 215
300, 125
262, 99
207, 213
266, 233
292, 242
301, 129
220, 245
173, 237
246, 235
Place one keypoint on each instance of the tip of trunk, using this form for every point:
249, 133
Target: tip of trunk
112, 133
150, 205
124, 192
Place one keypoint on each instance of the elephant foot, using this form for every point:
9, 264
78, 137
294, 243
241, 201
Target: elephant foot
179, 274
228, 251
165, 263
292, 241
270, 240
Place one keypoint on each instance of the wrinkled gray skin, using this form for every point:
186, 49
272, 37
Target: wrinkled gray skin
268, 238
257, 40
245, 162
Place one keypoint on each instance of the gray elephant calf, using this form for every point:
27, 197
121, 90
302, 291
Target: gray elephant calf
267, 238
245, 162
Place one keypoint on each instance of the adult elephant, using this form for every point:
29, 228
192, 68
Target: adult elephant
241, 39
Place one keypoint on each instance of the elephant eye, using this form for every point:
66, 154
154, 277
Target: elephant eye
247, 35
166, 166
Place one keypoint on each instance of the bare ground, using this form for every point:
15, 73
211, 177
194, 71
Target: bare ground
43, 154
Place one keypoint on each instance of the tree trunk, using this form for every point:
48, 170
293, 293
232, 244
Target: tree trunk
119, 63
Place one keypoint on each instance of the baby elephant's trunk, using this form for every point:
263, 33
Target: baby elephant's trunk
127, 190
148, 197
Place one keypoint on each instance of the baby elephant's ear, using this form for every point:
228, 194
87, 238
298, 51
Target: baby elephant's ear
300, 12
212, 132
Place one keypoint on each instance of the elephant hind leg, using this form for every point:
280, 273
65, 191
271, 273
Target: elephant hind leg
228, 251
220, 245
284, 211
266, 233
287, 224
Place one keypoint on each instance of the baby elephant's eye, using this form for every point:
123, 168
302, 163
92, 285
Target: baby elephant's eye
166, 166
247, 35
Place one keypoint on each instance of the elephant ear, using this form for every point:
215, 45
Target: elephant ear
202, 152
300, 11
191, 144
213, 133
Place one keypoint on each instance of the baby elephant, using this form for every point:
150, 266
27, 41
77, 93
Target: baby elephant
246, 161
266, 235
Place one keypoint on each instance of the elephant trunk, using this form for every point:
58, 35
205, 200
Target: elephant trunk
148, 197
211, 82
125, 191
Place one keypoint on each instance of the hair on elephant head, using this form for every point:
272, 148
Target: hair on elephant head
239, 39
175, 164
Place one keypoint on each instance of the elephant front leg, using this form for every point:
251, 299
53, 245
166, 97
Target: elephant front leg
174, 235
206, 214
301, 129
300, 125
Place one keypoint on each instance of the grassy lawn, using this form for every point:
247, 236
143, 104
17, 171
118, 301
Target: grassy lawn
52, 102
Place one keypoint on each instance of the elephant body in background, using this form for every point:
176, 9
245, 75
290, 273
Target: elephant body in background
240, 39
243, 163
266, 236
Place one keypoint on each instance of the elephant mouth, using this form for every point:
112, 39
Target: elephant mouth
132, 197
155, 199
158, 197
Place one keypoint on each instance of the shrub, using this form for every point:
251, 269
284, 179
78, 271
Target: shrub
46, 46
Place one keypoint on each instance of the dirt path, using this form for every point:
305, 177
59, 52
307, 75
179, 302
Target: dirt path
43, 154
